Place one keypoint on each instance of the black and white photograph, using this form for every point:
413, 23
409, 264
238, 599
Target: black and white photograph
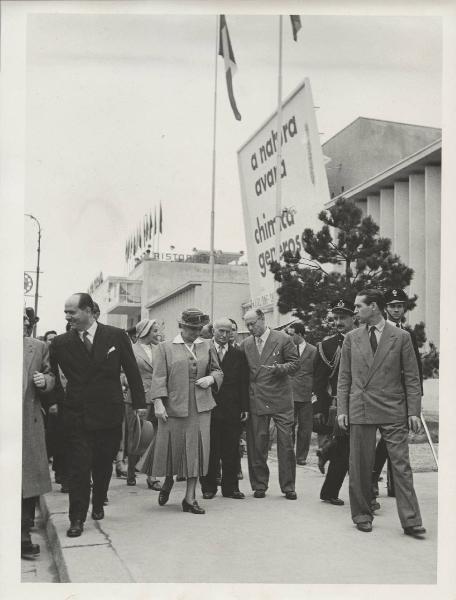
234, 230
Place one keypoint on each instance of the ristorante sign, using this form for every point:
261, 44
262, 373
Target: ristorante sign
304, 188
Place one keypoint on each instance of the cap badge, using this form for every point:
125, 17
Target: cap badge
340, 303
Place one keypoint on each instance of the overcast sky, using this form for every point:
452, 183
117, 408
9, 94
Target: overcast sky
119, 117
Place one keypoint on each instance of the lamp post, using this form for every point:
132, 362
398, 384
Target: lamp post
38, 251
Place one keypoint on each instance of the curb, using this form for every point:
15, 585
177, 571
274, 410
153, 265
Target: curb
90, 558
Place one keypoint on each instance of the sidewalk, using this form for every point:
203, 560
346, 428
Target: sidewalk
271, 540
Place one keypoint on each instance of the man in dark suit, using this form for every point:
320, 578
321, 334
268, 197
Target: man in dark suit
379, 387
91, 356
232, 401
272, 358
336, 450
396, 307
302, 384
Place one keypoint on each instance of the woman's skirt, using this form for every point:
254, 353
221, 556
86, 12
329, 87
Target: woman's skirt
181, 446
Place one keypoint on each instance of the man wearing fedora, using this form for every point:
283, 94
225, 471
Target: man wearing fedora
379, 387
91, 356
272, 358
37, 379
396, 307
326, 374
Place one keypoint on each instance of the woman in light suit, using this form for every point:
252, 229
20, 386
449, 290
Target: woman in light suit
185, 370
147, 338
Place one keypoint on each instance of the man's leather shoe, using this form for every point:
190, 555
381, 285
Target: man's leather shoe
259, 494
375, 506
301, 462
366, 526
97, 515
131, 480
208, 495
28, 549
76, 528
335, 501
237, 495
291, 495
415, 531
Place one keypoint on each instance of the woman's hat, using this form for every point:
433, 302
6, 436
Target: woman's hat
143, 327
141, 436
193, 317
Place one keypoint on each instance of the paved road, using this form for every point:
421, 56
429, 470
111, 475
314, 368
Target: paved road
271, 540
41, 569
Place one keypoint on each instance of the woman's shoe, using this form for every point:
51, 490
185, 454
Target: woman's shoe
163, 497
194, 508
154, 485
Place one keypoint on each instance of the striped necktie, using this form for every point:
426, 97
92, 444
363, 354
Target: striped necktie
87, 342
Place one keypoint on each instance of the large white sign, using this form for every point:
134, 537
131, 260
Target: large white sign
304, 188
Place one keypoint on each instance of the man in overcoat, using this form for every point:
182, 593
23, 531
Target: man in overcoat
37, 379
91, 356
232, 404
379, 387
272, 358
301, 385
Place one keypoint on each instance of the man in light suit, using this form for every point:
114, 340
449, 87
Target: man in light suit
302, 383
379, 387
272, 358
91, 356
37, 379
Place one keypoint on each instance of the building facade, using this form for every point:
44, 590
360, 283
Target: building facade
403, 198
162, 289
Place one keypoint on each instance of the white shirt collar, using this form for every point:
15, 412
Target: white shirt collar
265, 335
302, 347
380, 326
91, 331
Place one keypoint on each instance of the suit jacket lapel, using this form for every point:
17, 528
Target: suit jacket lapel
362, 341
387, 339
139, 350
306, 352
271, 343
78, 345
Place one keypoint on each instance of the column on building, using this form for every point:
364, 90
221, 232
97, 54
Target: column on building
401, 220
432, 192
417, 250
387, 214
373, 207
362, 204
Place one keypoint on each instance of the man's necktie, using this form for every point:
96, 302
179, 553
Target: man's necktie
87, 342
373, 340
221, 354
398, 325
259, 345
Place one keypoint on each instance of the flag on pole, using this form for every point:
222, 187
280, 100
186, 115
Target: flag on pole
226, 50
295, 25
160, 226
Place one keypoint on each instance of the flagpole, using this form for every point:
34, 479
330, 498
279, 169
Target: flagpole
278, 205
212, 252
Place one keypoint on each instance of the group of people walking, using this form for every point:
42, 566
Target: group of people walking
195, 394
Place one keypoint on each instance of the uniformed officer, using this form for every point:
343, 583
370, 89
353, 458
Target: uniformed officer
336, 449
396, 307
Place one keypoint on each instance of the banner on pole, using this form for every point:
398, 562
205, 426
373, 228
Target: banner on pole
304, 189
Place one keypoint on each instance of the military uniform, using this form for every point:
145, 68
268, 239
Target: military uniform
326, 374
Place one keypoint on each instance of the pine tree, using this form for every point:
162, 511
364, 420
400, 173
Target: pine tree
345, 256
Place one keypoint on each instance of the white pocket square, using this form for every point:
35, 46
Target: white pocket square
111, 349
